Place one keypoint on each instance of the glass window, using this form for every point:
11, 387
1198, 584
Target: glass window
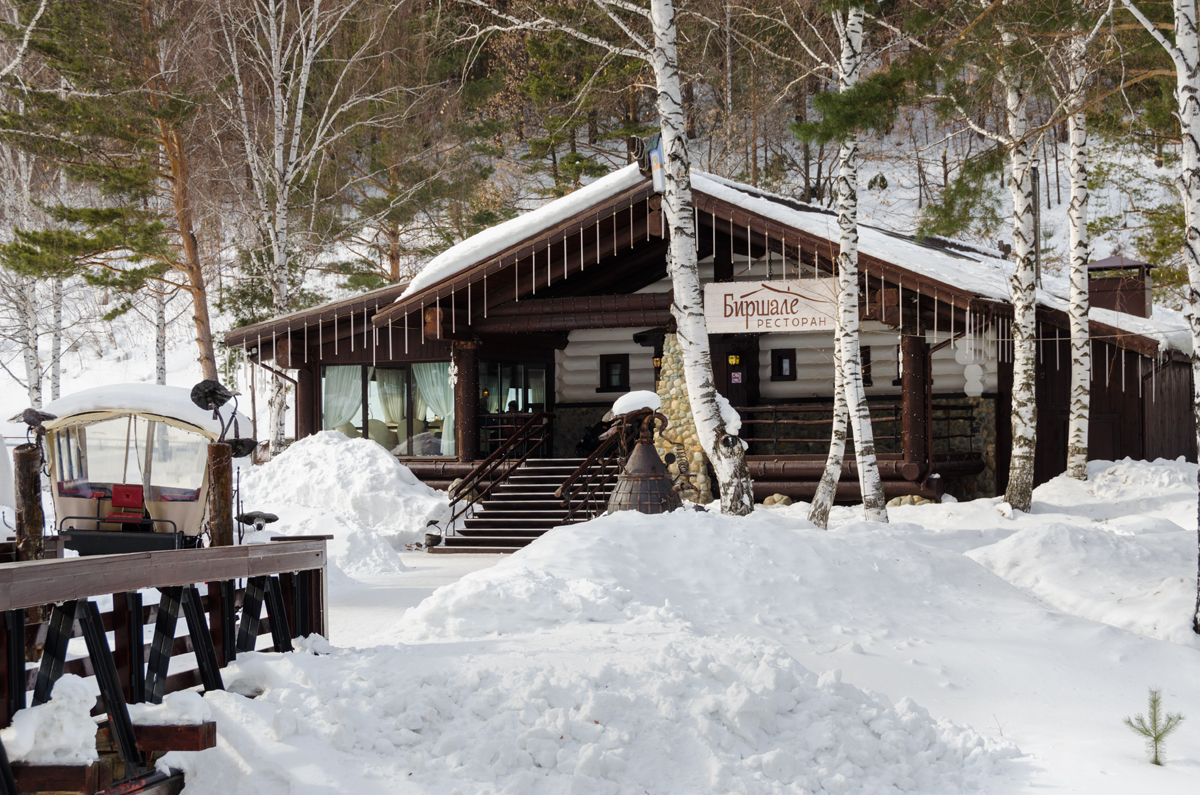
177, 462
409, 409
167, 461
342, 409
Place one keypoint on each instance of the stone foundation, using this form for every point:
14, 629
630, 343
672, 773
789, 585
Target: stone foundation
976, 433
682, 428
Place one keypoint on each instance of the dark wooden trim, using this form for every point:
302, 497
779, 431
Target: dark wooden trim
637, 302
564, 322
323, 313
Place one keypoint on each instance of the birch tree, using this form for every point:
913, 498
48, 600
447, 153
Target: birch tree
716, 422
1184, 52
1071, 82
274, 50
850, 409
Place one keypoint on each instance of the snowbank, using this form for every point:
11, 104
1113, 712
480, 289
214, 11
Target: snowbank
687, 716
352, 489
59, 732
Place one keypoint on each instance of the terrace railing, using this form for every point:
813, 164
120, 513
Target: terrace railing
805, 429
524, 441
47, 603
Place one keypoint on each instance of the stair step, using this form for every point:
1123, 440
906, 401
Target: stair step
504, 524
444, 550
507, 532
486, 541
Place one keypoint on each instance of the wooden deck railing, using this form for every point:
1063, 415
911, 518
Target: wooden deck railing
46, 603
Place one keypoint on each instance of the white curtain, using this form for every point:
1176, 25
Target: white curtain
537, 388
343, 395
392, 398
433, 384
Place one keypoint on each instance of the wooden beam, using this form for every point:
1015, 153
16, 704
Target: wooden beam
638, 302
564, 322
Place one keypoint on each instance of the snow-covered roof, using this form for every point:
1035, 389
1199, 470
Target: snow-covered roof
496, 239
168, 402
970, 269
967, 268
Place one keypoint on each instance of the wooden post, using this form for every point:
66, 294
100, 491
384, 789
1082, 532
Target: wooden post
220, 494
27, 467
914, 378
306, 414
466, 399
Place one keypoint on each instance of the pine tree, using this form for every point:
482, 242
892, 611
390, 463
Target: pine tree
116, 119
1156, 727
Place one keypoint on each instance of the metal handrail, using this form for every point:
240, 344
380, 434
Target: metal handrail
488, 468
599, 471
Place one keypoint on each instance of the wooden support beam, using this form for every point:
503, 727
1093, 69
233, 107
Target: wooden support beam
638, 302
192, 737
86, 779
584, 320
466, 399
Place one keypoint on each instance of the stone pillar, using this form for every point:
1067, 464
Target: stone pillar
672, 390
466, 399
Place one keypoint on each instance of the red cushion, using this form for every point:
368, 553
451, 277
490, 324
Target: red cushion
124, 517
125, 496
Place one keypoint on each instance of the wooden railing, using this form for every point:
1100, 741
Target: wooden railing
46, 603
584, 492
526, 440
784, 430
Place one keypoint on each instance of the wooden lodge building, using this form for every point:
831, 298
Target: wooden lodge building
558, 312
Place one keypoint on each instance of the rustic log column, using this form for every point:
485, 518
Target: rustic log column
466, 399
27, 469
306, 399
220, 494
914, 379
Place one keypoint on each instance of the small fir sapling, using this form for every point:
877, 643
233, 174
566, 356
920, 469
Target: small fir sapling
1155, 728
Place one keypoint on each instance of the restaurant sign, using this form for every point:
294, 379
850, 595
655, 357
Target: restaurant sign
738, 307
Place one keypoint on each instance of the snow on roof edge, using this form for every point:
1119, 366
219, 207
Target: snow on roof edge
174, 402
495, 239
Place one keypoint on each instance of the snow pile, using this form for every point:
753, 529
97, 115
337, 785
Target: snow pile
528, 601
59, 732
690, 715
183, 708
636, 401
352, 489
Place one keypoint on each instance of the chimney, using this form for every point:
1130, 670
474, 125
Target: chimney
1122, 285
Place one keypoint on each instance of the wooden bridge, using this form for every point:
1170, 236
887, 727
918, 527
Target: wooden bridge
46, 603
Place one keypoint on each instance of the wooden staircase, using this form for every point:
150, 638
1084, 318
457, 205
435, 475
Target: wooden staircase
520, 509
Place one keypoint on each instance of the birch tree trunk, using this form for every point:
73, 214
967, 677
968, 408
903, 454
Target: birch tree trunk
1023, 289
1185, 53
818, 512
848, 385
160, 338
29, 341
1077, 218
56, 301
713, 415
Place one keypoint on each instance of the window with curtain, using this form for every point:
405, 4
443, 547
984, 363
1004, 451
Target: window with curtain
409, 409
342, 409
431, 380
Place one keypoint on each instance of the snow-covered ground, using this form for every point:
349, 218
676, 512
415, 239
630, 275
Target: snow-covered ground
961, 648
